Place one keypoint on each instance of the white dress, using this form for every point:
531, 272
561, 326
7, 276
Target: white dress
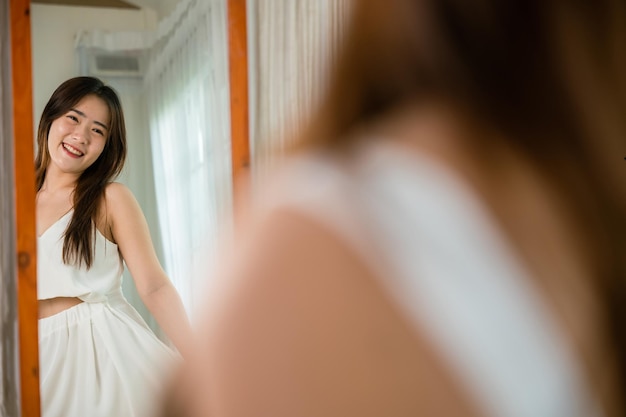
98, 358
441, 258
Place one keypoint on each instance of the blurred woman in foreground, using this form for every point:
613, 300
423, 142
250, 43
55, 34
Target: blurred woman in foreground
448, 240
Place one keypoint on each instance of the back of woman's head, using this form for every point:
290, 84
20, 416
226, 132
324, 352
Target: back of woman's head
548, 76
66, 96
523, 66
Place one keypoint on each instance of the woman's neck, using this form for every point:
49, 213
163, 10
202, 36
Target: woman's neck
56, 181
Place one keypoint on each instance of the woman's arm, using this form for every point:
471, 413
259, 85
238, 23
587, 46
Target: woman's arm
130, 231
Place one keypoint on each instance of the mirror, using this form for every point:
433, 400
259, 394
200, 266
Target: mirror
172, 124
168, 59
117, 45
177, 104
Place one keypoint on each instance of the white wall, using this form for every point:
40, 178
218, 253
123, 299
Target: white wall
162, 7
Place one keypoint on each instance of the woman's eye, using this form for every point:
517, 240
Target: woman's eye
98, 131
72, 117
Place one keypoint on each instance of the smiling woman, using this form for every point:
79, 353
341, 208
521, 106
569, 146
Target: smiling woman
76, 139
89, 226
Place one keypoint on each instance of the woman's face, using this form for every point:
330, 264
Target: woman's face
77, 138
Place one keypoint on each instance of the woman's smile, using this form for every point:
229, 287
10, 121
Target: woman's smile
72, 150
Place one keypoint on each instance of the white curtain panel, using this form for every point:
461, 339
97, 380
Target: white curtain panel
291, 46
187, 94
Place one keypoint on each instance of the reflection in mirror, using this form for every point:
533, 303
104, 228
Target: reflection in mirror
170, 69
116, 366
171, 75
169, 66
54, 28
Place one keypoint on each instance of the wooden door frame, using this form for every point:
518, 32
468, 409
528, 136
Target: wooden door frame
238, 75
26, 245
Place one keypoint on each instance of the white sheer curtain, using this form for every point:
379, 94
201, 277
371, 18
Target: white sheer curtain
291, 45
188, 109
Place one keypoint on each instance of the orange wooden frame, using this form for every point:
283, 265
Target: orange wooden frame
22, 87
238, 73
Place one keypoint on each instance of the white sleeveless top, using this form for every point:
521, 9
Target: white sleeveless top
440, 256
56, 279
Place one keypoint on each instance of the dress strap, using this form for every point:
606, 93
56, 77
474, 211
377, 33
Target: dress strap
457, 278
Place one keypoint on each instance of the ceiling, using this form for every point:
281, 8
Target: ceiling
161, 7
120, 4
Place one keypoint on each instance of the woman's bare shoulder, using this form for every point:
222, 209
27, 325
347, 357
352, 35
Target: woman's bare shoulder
117, 193
321, 307
119, 201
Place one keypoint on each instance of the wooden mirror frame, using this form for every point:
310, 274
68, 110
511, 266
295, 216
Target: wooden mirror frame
25, 193
26, 232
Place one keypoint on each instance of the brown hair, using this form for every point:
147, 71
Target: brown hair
549, 75
89, 191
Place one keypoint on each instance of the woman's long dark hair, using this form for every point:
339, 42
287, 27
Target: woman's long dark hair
89, 192
549, 75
